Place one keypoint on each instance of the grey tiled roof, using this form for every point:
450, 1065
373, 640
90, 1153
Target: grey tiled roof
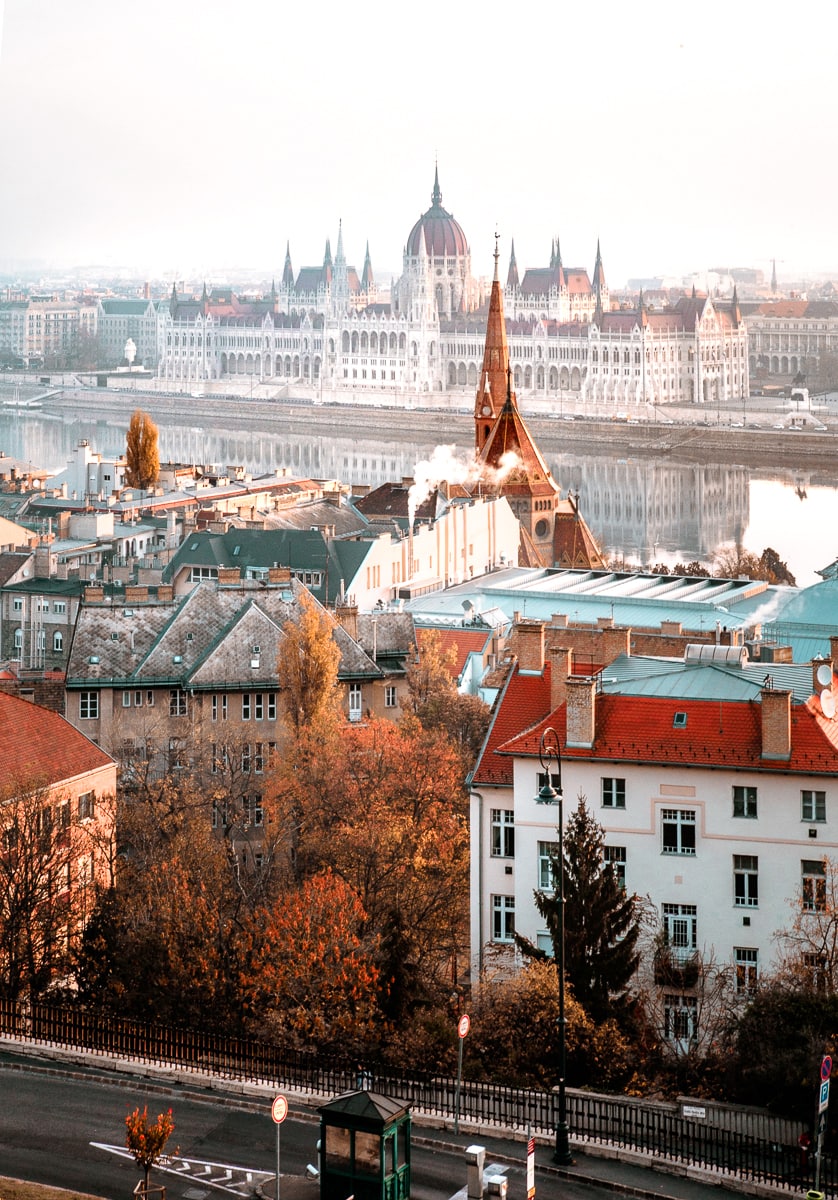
205, 640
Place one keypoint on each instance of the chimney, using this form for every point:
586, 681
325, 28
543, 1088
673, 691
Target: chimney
229, 575
581, 711
559, 620
165, 591
347, 615
776, 724
605, 622
561, 665
136, 594
279, 574
671, 629
94, 595
529, 644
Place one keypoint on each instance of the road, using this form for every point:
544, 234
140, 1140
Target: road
49, 1119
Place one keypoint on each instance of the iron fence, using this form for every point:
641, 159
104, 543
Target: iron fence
658, 1129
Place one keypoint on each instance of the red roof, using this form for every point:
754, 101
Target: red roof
463, 641
39, 745
727, 734
522, 704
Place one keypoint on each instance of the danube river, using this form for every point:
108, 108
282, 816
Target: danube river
651, 502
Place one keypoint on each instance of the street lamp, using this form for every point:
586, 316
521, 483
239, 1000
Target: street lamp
549, 751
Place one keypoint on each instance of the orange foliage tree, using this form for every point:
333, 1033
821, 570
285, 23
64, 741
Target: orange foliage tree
147, 1139
311, 980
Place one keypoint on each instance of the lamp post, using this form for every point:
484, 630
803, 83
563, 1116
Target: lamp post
549, 751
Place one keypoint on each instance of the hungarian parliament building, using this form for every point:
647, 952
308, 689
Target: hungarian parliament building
330, 333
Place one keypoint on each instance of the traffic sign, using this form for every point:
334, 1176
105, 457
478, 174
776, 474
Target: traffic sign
464, 1025
279, 1109
824, 1098
826, 1066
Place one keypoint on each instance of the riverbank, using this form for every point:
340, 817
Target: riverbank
720, 440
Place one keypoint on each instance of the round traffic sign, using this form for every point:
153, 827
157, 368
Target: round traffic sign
279, 1109
826, 1066
464, 1025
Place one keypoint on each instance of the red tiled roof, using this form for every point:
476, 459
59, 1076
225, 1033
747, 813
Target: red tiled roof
463, 641
38, 744
522, 704
727, 734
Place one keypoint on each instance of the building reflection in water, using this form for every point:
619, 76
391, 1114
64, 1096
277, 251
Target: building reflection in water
646, 510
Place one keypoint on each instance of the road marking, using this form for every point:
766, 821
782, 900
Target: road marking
239, 1181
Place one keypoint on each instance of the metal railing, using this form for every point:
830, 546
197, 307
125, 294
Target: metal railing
658, 1129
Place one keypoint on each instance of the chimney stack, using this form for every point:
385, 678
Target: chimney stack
776, 724
581, 712
529, 644
561, 665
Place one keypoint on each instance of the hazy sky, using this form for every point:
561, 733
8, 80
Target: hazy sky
183, 136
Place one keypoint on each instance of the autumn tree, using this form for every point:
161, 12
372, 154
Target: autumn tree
311, 979
602, 923
46, 884
733, 562
309, 657
383, 807
146, 1140
433, 698
141, 453
514, 1035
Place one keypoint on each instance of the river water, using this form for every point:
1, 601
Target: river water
647, 510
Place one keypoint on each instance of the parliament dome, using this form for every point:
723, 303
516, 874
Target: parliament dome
444, 237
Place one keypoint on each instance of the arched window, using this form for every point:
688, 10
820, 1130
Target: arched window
58, 641
18, 639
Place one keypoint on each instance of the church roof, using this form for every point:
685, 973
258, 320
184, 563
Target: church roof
491, 390
510, 435
573, 543
442, 234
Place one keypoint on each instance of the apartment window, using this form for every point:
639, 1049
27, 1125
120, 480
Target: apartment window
17, 604
258, 707
86, 806
259, 757
816, 971
246, 707
745, 960
744, 802
613, 793
680, 923
149, 699
813, 884
18, 639
271, 706
255, 811
745, 880
503, 918
58, 642
680, 1018
389, 696
354, 702
546, 877
813, 806
89, 706
60, 606
503, 833
678, 826
177, 759
616, 857
126, 699
555, 780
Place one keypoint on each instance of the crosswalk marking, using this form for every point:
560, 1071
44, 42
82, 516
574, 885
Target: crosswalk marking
240, 1181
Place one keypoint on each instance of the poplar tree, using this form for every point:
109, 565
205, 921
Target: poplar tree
141, 453
602, 923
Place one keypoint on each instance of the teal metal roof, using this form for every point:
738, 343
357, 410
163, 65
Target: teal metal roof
673, 677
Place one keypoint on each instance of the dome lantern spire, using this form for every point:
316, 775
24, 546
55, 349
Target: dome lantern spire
436, 194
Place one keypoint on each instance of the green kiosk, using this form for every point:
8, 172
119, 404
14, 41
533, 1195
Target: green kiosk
364, 1148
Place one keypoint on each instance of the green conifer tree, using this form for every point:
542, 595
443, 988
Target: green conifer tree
602, 923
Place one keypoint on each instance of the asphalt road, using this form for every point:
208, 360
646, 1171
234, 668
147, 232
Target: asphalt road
50, 1118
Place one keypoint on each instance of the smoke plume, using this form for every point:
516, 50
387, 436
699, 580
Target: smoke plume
447, 466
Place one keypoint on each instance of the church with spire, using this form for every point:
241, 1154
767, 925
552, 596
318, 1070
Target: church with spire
553, 531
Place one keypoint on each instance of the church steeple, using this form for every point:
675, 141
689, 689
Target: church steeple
599, 284
205, 299
735, 312
774, 276
173, 301
491, 390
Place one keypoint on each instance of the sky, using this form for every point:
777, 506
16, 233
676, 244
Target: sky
185, 138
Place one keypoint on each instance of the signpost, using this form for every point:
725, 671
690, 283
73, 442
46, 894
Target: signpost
823, 1105
279, 1111
530, 1166
463, 1026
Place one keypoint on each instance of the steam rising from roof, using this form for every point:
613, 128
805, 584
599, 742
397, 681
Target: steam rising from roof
446, 466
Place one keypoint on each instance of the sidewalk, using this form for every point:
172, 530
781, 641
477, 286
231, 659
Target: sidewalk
620, 1171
